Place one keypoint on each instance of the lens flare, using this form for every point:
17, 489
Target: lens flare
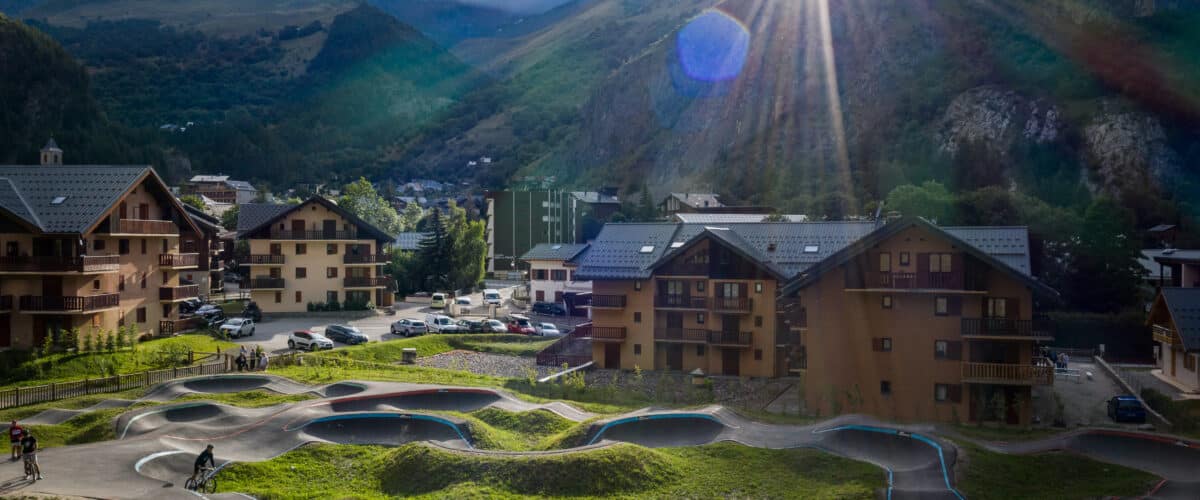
713, 47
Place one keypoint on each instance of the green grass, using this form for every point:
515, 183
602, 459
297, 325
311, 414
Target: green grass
622, 471
997, 476
496, 429
16, 369
1005, 433
429, 345
80, 402
257, 398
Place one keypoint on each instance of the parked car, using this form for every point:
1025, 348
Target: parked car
470, 325
520, 324
238, 327
189, 306
409, 327
308, 339
208, 309
1126, 408
463, 301
438, 301
494, 326
345, 334
546, 329
439, 323
252, 311
491, 296
549, 308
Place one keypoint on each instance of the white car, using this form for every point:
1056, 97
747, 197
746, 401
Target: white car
546, 329
308, 339
238, 327
408, 327
441, 324
491, 296
463, 301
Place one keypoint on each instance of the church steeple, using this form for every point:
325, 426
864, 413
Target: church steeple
51, 154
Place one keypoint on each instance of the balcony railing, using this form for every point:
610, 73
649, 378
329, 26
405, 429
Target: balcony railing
266, 283
684, 270
40, 303
1008, 373
6, 302
733, 304
260, 260
284, 234
363, 259
608, 333
178, 292
144, 226
1164, 335
608, 301
1039, 328
741, 339
681, 302
365, 281
51, 264
785, 337
683, 335
179, 259
918, 281
173, 326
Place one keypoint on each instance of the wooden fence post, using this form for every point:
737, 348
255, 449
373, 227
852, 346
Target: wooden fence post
191, 357
174, 372
147, 378
53, 391
87, 387
18, 396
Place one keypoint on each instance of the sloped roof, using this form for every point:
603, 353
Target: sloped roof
253, 215
87, 192
240, 185
1007, 244
256, 219
698, 200
206, 222
209, 178
1184, 306
595, 197
1154, 270
409, 241
554, 251
1176, 255
51, 146
719, 218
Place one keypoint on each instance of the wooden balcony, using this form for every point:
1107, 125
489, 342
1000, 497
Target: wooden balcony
144, 227
51, 264
178, 293
608, 301
372, 259
1007, 329
1008, 373
740, 305
179, 260
681, 335
1165, 335
173, 326
365, 281
265, 283
729, 339
39, 304
608, 334
681, 269
680, 302
265, 260
923, 281
786, 337
284, 234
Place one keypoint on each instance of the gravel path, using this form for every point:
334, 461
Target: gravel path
496, 365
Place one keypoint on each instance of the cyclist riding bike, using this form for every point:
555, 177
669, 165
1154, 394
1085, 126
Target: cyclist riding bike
206, 457
29, 447
14, 439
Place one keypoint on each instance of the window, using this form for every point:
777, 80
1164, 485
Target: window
700, 349
276, 249
539, 274
997, 308
141, 315
811, 248
558, 275
885, 387
12, 249
647, 249
637, 286
637, 317
301, 248
571, 276
278, 297
758, 287
700, 318
700, 286
144, 280
189, 246
540, 296
941, 306
331, 249
881, 344
331, 296
97, 245
939, 263
887, 301
941, 392
331, 272
298, 299
143, 247
121, 284
676, 288
123, 247
758, 321
58, 200
904, 256
758, 354
941, 349
885, 262
637, 349
301, 272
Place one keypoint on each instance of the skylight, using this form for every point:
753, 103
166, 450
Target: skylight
811, 248
646, 249
556, 247
58, 200
676, 244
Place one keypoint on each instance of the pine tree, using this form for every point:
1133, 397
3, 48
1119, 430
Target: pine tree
646, 209
435, 253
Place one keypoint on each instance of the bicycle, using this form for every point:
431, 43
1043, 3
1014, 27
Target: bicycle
206, 484
31, 468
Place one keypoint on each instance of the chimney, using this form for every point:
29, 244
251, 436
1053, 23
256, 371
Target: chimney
51, 154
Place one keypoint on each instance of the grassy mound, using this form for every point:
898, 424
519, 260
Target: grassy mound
257, 398
429, 345
1048, 475
21, 368
90, 427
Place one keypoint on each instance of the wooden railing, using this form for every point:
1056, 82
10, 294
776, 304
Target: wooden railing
21, 396
266, 283
608, 301
687, 335
363, 259
1004, 327
178, 292
50, 264
926, 280
717, 337
179, 259
1164, 335
258, 260
684, 270
1008, 373
285, 234
173, 326
732, 304
785, 337
681, 302
608, 333
365, 281
40, 303
145, 226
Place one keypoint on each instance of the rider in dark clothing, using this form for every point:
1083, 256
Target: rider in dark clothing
206, 456
29, 448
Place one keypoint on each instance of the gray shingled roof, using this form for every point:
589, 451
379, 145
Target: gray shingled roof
1176, 255
1009, 245
88, 191
1184, 306
262, 215
698, 200
253, 215
240, 185
595, 197
554, 251
409, 241
711, 218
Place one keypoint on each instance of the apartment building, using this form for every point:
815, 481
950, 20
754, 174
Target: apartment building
313, 252
221, 189
552, 272
903, 319
519, 220
89, 247
1174, 318
210, 271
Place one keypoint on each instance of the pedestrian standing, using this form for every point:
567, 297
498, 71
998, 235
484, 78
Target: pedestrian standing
1066, 360
262, 361
253, 358
241, 362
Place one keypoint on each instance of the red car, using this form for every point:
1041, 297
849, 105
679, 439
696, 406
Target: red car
520, 324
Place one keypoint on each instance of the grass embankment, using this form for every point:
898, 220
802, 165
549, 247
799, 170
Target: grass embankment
1005, 434
258, 398
496, 429
429, 345
18, 368
998, 476
622, 471
1184, 415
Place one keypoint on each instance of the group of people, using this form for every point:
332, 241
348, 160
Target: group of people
251, 360
24, 445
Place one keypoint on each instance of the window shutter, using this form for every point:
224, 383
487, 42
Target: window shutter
954, 393
954, 306
954, 350
877, 344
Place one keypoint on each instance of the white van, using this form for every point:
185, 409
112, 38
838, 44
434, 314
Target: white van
491, 296
438, 301
439, 323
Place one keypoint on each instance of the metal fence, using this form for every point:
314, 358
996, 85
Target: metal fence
21, 396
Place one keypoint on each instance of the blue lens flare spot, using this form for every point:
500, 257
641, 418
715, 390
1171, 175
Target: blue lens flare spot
713, 47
